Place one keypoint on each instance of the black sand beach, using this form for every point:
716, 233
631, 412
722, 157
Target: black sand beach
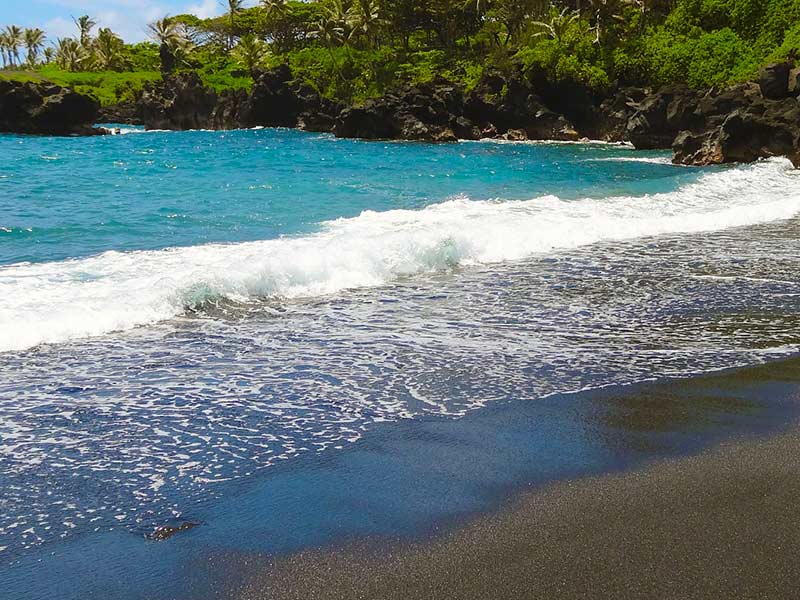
718, 524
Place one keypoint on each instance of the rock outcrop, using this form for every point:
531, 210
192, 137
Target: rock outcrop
165, 532
179, 102
612, 116
182, 101
46, 109
740, 123
661, 116
273, 101
441, 112
745, 123
499, 105
774, 81
745, 135
124, 112
421, 113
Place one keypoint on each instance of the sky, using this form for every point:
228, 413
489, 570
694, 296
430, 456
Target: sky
128, 18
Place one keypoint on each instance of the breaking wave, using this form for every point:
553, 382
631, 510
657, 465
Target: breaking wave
59, 301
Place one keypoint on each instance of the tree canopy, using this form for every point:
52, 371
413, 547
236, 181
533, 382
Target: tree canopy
353, 49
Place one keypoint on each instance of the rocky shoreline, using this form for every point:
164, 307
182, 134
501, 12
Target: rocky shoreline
714, 126
46, 109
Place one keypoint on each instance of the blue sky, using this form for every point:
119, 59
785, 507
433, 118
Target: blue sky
128, 18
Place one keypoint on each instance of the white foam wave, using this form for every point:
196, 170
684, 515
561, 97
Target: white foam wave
141, 129
137, 130
58, 301
581, 142
653, 160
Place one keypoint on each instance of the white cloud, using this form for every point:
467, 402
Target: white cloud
59, 28
128, 18
205, 9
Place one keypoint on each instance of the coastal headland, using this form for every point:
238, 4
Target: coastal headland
741, 123
715, 81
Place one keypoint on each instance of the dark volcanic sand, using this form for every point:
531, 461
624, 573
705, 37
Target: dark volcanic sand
722, 524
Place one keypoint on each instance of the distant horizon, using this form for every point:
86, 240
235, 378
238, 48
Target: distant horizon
127, 18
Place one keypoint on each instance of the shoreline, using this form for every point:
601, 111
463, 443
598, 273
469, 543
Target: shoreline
701, 126
694, 527
716, 523
289, 532
486, 140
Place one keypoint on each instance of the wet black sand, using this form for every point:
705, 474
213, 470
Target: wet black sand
723, 523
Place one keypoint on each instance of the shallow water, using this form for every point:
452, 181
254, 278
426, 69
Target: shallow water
183, 312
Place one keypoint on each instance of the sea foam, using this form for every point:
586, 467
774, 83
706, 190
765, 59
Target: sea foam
59, 301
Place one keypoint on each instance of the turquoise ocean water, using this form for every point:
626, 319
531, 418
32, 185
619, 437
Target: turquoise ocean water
183, 314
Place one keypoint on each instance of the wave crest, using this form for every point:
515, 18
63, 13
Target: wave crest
59, 301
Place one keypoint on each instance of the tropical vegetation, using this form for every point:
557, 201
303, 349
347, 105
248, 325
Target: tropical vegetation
353, 49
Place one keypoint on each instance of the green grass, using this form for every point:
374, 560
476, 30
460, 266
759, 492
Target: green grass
225, 81
23, 76
107, 87
110, 87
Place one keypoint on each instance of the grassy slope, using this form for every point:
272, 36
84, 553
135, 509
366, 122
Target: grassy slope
107, 87
110, 87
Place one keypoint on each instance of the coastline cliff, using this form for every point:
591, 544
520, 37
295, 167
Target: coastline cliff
741, 123
737, 124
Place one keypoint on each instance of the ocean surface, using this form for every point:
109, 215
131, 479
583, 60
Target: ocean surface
184, 315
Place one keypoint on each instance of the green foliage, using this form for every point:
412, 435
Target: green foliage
21, 76
107, 87
220, 70
719, 58
351, 50
565, 50
790, 45
344, 73
141, 57
289, 28
422, 67
232, 79
250, 52
712, 42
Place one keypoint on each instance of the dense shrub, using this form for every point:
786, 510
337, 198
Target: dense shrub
108, 87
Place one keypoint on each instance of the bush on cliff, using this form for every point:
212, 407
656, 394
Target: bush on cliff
698, 58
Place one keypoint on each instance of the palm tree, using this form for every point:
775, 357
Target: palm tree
559, 24
171, 36
331, 32
107, 49
14, 40
251, 51
4, 49
480, 6
514, 15
165, 31
234, 8
276, 7
337, 18
611, 10
49, 55
444, 14
364, 19
70, 54
34, 40
85, 25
